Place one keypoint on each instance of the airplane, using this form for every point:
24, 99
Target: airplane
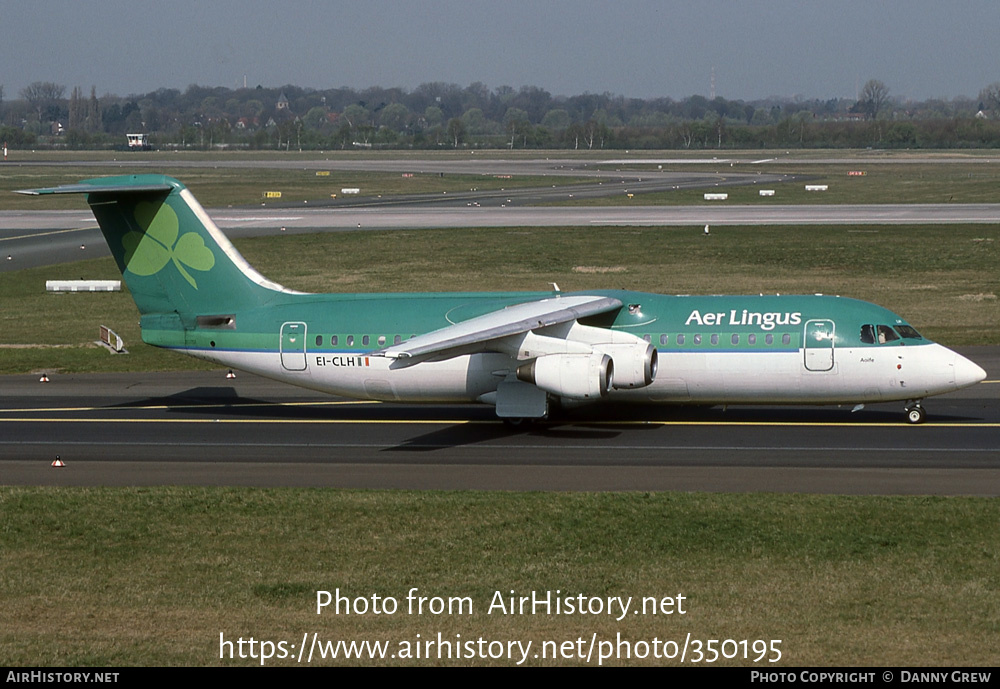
525, 353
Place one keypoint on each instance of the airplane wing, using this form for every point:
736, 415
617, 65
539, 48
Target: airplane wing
513, 320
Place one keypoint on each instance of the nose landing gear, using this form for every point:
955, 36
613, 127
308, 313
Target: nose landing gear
915, 413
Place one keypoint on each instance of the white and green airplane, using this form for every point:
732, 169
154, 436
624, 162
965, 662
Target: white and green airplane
521, 352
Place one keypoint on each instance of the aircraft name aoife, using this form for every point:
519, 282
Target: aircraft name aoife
767, 320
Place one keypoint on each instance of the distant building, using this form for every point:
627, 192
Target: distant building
282, 102
138, 142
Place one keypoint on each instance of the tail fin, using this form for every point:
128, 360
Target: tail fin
174, 259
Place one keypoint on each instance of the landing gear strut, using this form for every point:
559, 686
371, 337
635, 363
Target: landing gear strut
915, 413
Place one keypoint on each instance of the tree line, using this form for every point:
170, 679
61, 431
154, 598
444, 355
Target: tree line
442, 115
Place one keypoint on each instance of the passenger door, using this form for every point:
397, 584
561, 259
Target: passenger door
818, 346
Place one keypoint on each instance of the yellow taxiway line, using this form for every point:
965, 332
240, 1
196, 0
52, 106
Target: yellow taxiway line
50, 232
454, 422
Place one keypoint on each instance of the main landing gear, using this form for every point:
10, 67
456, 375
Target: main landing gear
915, 413
519, 423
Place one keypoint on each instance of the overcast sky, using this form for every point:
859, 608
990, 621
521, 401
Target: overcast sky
639, 48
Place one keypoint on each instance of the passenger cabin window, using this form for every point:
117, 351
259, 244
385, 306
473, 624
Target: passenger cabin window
333, 340
365, 340
381, 340
350, 340
751, 339
319, 340
697, 339
397, 339
769, 339
664, 339
786, 339
680, 339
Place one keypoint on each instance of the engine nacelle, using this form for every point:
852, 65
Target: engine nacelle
635, 364
577, 376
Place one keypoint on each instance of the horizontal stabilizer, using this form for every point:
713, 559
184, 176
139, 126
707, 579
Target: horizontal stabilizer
98, 188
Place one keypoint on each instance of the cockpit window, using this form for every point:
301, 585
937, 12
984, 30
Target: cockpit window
908, 332
886, 334
870, 334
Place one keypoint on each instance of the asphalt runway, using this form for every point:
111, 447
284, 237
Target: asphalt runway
201, 428
32, 239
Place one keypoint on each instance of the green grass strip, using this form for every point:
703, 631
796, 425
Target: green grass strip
152, 576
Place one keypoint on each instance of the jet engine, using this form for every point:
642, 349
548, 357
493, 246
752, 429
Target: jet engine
577, 376
635, 364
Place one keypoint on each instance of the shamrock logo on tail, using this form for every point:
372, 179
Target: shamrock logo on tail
148, 253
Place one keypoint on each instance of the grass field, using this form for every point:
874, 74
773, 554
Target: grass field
220, 187
114, 577
896, 177
910, 183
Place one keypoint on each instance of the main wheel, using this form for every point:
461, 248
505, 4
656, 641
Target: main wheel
518, 422
916, 414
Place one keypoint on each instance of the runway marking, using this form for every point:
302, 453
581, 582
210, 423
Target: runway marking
452, 422
492, 446
45, 234
253, 218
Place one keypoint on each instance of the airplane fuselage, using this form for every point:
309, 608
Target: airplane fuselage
712, 349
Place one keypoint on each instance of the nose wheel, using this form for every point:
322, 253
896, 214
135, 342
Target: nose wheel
915, 413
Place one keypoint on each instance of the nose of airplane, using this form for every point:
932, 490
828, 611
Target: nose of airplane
967, 372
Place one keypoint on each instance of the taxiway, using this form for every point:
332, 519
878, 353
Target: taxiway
200, 428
